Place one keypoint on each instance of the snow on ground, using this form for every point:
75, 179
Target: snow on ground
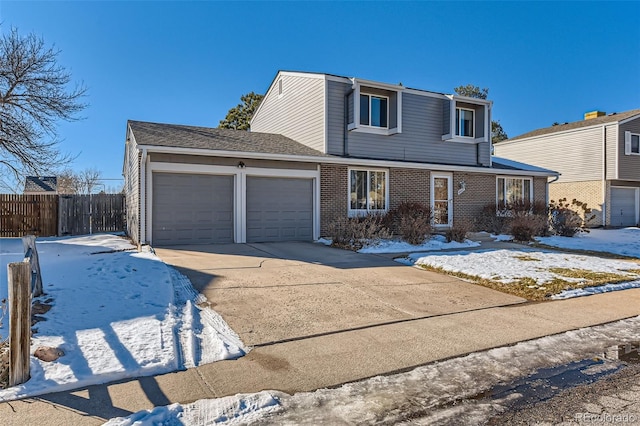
510, 265
625, 242
116, 313
436, 242
426, 395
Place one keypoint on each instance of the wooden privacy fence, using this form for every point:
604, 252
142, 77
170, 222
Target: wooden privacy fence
51, 215
28, 214
24, 280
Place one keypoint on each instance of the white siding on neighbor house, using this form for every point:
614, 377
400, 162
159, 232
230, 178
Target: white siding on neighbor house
628, 165
577, 154
420, 140
612, 150
131, 171
297, 114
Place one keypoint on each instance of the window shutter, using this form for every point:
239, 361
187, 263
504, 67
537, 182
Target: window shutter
627, 143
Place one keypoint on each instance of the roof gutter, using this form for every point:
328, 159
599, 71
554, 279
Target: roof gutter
340, 160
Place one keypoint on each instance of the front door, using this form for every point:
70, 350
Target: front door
442, 199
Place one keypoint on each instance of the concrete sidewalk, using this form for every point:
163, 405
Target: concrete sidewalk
329, 360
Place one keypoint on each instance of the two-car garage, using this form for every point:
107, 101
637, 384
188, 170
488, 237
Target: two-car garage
206, 208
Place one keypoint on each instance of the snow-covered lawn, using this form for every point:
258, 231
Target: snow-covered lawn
625, 242
432, 394
532, 273
116, 313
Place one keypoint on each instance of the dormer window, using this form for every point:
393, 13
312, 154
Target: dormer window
374, 111
465, 122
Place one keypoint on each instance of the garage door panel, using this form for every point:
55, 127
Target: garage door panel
279, 209
623, 207
192, 209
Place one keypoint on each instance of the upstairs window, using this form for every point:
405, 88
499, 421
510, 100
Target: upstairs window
374, 111
464, 122
635, 144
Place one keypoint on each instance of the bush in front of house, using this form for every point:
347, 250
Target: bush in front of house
567, 219
458, 232
525, 227
412, 221
354, 232
490, 219
523, 220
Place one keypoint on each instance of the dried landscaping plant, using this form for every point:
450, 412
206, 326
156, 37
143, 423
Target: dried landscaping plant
567, 219
412, 221
355, 232
459, 231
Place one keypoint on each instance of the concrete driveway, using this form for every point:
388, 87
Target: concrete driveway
275, 292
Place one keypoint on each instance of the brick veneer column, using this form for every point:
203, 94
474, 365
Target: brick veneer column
333, 194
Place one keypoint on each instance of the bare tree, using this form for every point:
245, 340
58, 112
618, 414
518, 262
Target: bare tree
81, 182
34, 95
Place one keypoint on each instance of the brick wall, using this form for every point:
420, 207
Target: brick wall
540, 190
589, 192
480, 190
333, 194
410, 185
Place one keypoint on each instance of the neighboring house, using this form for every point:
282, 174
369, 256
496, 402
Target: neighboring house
40, 185
321, 147
599, 162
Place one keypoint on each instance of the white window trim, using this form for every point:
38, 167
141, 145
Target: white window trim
386, 131
523, 178
449, 177
473, 124
629, 151
362, 212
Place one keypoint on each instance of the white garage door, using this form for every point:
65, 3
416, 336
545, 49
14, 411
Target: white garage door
279, 209
623, 207
192, 209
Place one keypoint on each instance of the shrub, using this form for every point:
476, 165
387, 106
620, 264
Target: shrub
459, 231
567, 219
355, 232
412, 221
524, 227
490, 220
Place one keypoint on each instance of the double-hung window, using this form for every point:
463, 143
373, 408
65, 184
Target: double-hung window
635, 144
464, 122
374, 111
367, 191
514, 190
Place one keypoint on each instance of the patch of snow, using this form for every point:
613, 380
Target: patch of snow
625, 242
502, 237
116, 314
511, 265
425, 395
244, 408
587, 291
325, 241
436, 242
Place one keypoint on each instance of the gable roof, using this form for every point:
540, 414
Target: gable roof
179, 136
611, 118
40, 184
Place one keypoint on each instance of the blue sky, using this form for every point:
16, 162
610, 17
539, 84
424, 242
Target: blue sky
189, 62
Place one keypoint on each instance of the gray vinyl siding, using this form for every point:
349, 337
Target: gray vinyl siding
576, 155
628, 165
446, 117
297, 114
420, 140
612, 150
132, 188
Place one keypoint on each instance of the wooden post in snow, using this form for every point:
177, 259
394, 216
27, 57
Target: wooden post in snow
29, 242
19, 275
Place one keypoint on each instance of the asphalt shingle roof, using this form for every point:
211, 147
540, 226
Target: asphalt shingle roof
611, 118
178, 136
40, 184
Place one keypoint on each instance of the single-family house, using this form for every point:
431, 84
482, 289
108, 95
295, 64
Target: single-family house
38, 185
321, 147
599, 162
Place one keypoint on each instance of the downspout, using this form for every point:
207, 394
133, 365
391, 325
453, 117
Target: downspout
345, 136
604, 176
142, 229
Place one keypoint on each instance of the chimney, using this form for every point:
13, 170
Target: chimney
594, 114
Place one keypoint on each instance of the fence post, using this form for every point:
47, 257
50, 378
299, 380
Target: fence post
29, 242
19, 275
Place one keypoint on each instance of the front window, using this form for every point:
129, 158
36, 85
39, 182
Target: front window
513, 190
374, 111
367, 191
635, 144
464, 122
